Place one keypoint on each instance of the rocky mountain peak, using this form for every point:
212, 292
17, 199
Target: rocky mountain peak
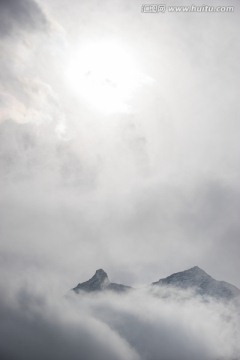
196, 269
99, 282
197, 279
194, 278
101, 275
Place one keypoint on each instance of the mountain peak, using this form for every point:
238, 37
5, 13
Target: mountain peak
196, 270
101, 274
197, 279
99, 282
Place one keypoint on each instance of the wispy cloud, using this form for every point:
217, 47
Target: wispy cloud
135, 326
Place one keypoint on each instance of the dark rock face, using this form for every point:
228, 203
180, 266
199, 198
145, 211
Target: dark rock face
100, 282
194, 278
201, 282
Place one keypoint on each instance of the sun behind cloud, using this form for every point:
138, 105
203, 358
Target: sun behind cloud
105, 74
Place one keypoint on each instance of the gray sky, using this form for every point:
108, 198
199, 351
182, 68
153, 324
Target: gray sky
119, 149
119, 142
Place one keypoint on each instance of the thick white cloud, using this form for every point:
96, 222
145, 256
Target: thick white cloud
141, 194
137, 326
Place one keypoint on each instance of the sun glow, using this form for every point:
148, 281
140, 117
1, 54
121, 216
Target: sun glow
105, 75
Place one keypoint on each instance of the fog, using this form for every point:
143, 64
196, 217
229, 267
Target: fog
127, 161
142, 324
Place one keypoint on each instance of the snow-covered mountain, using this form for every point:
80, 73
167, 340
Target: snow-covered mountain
99, 282
198, 280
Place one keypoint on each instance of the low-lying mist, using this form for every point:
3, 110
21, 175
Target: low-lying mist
143, 324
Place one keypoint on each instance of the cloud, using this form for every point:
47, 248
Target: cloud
25, 96
135, 326
139, 233
37, 330
142, 194
18, 15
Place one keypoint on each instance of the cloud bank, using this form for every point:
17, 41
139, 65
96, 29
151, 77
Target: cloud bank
140, 325
21, 14
141, 194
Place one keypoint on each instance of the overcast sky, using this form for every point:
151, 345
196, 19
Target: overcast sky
119, 149
119, 142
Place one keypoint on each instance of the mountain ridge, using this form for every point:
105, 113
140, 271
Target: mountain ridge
203, 284
99, 282
194, 278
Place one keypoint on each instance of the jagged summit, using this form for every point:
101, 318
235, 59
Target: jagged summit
101, 275
194, 278
196, 269
201, 282
99, 282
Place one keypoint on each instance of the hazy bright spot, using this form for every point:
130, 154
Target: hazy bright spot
105, 75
